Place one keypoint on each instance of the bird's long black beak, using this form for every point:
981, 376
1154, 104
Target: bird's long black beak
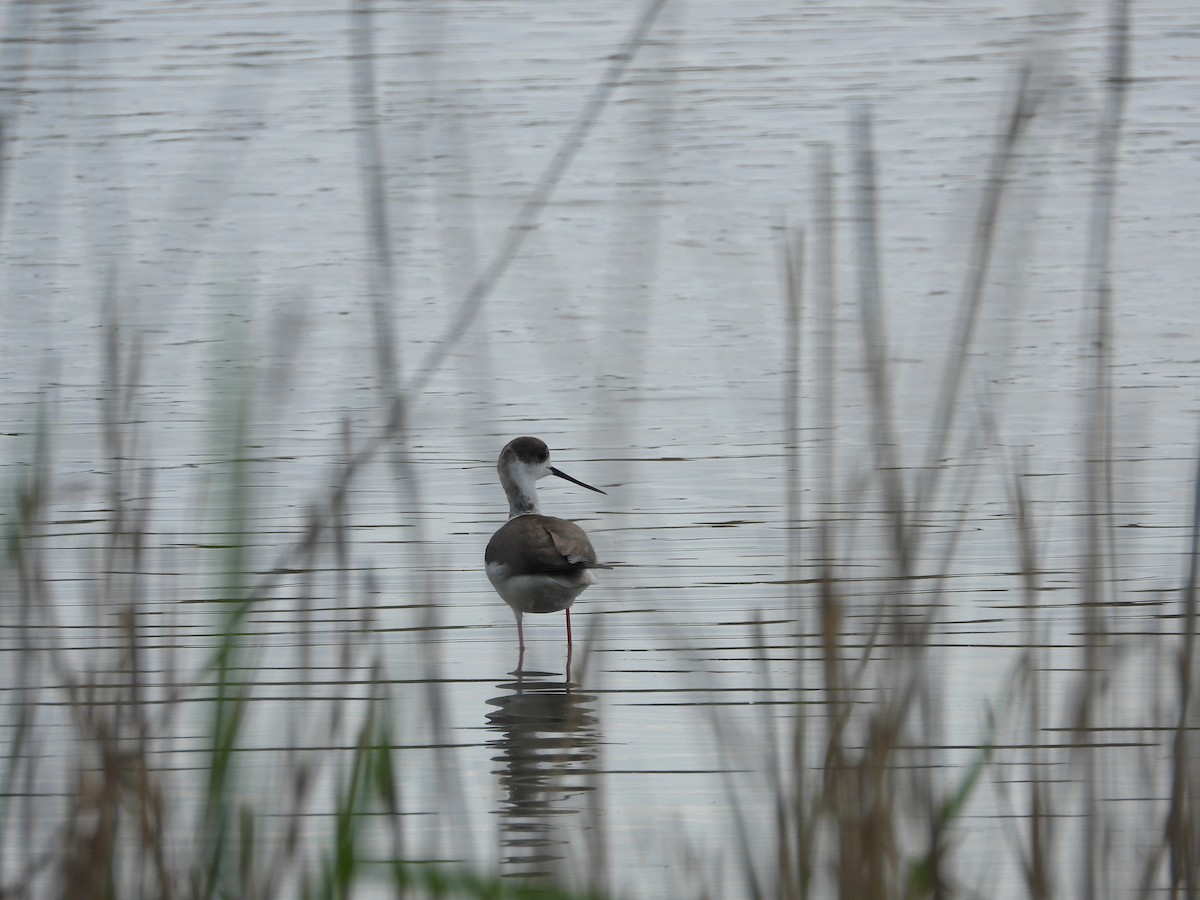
564, 475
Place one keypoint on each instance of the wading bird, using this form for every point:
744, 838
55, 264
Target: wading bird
536, 563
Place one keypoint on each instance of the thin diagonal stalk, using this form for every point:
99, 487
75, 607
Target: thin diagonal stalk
793, 265
374, 185
1025, 103
826, 299
531, 209
866, 215
1097, 450
1181, 833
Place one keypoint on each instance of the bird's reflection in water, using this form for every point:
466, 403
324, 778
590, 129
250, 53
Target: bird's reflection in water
547, 735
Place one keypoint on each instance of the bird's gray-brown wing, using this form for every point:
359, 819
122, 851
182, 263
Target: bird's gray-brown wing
534, 544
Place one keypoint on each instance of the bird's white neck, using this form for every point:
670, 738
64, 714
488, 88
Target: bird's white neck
521, 488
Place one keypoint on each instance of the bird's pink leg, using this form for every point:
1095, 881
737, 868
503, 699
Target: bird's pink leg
568, 626
520, 634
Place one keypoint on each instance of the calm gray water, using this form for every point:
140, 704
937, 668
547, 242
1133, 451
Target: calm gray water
201, 162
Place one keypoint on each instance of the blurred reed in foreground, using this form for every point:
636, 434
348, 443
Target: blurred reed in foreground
870, 802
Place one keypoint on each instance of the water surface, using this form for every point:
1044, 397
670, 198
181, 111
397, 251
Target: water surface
200, 167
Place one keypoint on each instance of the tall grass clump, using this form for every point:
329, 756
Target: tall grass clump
294, 791
870, 802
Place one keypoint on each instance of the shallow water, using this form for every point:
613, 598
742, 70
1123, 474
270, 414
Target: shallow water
201, 164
